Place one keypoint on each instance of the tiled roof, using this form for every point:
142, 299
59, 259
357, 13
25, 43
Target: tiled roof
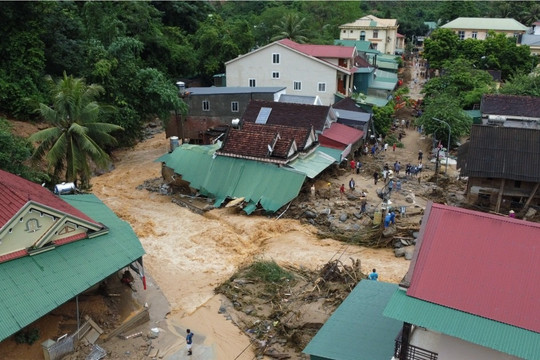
503, 152
255, 140
289, 114
286, 133
15, 192
511, 105
476, 23
348, 104
321, 51
483, 264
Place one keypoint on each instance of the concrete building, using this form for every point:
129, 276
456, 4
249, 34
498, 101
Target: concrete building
382, 33
478, 28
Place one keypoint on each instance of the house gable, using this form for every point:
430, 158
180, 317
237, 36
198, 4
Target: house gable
33, 218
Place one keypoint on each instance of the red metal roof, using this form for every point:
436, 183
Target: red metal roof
482, 264
340, 133
15, 192
321, 51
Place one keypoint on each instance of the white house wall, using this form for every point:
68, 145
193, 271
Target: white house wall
452, 348
292, 67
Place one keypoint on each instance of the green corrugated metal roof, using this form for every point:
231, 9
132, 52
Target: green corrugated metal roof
476, 23
357, 330
222, 176
383, 85
360, 45
336, 154
313, 164
386, 75
32, 286
475, 329
377, 101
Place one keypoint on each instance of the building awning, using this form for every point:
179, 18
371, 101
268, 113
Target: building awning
223, 177
337, 154
313, 164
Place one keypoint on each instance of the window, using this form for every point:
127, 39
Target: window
252, 83
474, 35
362, 35
275, 58
321, 87
297, 85
206, 105
275, 74
375, 34
234, 106
461, 34
344, 31
374, 46
517, 184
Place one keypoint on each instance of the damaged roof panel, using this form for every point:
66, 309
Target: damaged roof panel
222, 176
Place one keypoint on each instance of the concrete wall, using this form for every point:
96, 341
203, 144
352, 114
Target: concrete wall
291, 68
486, 191
452, 348
384, 45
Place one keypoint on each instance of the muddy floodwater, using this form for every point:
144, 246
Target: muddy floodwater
189, 254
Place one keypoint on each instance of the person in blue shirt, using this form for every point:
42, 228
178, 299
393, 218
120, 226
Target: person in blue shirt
373, 275
393, 217
387, 220
189, 341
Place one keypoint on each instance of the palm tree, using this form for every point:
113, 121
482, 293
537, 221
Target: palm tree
291, 27
75, 136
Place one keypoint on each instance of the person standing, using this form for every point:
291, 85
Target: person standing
394, 147
385, 146
352, 184
373, 275
353, 165
420, 155
189, 341
342, 191
364, 204
376, 177
358, 166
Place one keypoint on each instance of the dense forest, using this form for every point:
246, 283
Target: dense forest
131, 54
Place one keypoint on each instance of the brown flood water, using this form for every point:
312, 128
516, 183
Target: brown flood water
188, 254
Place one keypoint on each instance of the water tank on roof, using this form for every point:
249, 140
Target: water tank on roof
496, 120
65, 188
181, 87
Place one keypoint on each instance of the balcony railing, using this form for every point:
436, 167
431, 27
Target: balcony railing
413, 352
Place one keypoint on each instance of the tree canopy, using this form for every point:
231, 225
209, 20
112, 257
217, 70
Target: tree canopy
75, 135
